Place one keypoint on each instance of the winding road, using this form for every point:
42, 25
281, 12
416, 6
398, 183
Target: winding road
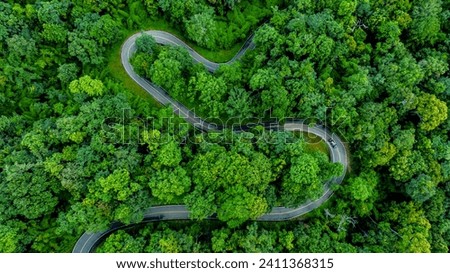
89, 241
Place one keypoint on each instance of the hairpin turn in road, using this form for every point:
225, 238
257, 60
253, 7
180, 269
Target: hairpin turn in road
89, 241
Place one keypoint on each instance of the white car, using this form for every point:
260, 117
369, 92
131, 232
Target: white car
332, 142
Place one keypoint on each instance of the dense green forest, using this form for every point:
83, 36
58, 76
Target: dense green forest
82, 145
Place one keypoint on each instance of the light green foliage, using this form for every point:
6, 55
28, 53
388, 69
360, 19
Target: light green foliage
201, 28
121, 242
54, 33
9, 239
164, 239
273, 95
249, 240
233, 181
167, 185
404, 140
117, 186
402, 228
406, 164
210, 91
313, 237
141, 63
84, 49
166, 72
151, 6
360, 188
86, 84
73, 160
432, 111
266, 36
168, 155
306, 176
303, 175
373, 130
362, 192
346, 7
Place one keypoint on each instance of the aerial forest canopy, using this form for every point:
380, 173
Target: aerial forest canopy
82, 145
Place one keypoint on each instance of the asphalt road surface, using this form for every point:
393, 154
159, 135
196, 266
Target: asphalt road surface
89, 241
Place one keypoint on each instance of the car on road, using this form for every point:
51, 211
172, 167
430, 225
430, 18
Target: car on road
332, 142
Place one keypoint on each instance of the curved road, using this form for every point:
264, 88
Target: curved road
89, 241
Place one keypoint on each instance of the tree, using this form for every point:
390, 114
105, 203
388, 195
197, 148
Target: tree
86, 84
210, 92
269, 39
362, 191
145, 43
167, 73
407, 164
421, 188
404, 139
141, 64
165, 239
302, 182
201, 28
103, 30
274, 96
54, 33
317, 236
402, 228
227, 3
116, 186
26, 190
432, 111
9, 239
67, 73
373, 131
249, 239
151, 7
20, 48
231, 74
168, 155
276, 100
167, 184
230, 184
112, 198
91, 36
239, 103
201, 202
240, 205
176, 10
121, 242
52, 12
85, 50
425, 26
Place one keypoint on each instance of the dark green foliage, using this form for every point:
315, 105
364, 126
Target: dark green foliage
145, 44
79, 151
219, 26
214, 237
